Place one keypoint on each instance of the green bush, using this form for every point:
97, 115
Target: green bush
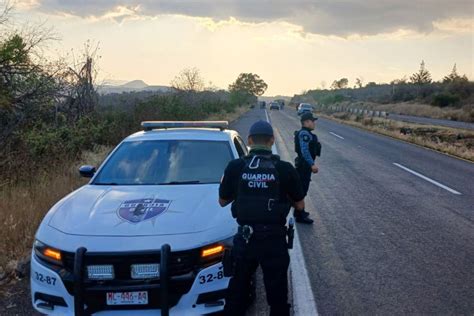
51, 141
444, 99
332, 98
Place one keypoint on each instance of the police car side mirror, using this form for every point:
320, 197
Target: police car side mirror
87, 171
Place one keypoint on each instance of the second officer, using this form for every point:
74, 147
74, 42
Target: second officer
307, 147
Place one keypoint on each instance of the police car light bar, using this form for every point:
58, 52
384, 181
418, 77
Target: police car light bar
150, 125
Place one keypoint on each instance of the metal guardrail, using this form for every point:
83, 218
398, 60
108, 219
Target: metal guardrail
357, 111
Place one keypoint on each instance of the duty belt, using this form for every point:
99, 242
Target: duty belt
261, 230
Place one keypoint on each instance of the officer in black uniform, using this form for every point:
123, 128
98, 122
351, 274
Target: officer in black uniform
262, 189
307, 147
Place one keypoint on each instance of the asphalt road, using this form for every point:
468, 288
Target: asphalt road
385, 241
431, 121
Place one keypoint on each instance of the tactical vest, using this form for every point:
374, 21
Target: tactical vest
314, 146
258, 195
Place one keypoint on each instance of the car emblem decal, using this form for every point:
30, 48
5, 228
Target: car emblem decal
136, 211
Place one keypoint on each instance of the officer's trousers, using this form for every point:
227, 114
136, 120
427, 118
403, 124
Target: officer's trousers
271, 253
305, 176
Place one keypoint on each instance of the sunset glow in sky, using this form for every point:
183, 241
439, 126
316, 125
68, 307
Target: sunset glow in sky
292, 45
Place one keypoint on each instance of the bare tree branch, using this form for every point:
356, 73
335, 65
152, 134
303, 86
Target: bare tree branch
6, 7
189, 79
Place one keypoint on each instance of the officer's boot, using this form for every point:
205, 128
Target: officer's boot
301, 216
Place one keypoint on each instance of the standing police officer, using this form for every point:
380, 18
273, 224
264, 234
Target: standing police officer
307, 147
262, 189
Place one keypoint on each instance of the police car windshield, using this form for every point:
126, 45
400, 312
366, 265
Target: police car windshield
166, 162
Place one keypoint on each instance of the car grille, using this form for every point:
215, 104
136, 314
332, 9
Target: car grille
181, 263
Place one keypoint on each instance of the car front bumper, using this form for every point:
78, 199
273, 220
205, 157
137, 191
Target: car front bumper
51, 295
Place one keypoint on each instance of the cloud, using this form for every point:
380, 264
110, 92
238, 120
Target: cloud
326, 17
26, 4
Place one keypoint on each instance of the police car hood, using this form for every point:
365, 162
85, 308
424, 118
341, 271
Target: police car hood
95, 210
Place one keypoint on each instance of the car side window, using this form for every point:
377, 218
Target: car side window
240, 146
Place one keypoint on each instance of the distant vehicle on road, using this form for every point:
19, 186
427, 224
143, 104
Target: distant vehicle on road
304, 107
281, 102
148, 214
262, 104
274, 106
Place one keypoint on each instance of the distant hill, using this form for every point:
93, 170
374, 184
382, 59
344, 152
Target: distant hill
135, 84
132, 86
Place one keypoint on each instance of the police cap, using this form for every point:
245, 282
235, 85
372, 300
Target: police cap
306, 116
261, 128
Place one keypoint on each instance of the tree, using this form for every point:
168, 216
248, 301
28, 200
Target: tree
189, 80
249, 83
359, 82
27, 89
78, 84
340, 84
454, 77
402, 80
421, 77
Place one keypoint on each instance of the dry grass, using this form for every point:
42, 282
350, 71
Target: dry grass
23, 206
230, 116
456, 142
465, 114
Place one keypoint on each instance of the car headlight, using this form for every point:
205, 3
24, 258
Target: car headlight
48, 254
213, 253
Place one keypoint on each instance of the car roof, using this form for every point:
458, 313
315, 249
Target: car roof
183, 133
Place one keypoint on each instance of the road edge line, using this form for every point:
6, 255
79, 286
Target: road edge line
427, 179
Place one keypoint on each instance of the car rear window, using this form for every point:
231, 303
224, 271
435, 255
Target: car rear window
166, 162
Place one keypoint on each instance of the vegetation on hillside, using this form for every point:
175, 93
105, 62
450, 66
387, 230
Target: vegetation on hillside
50, 111
452, 92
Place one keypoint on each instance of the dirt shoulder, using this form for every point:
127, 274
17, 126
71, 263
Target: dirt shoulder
462, 114
15, 298
451, 141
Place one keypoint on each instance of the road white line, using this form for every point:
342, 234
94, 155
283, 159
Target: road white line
266, 114
303, 298
427, 179
274, 149
336, 135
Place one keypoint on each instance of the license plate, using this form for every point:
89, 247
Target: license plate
127, 298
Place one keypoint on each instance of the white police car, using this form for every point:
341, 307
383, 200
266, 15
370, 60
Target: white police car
146, 235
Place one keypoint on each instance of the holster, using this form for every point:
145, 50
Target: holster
301, 164
318, 149
291, 236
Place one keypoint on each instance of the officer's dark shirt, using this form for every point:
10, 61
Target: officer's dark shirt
290, 183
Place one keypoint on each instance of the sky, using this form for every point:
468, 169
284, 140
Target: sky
293, 45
